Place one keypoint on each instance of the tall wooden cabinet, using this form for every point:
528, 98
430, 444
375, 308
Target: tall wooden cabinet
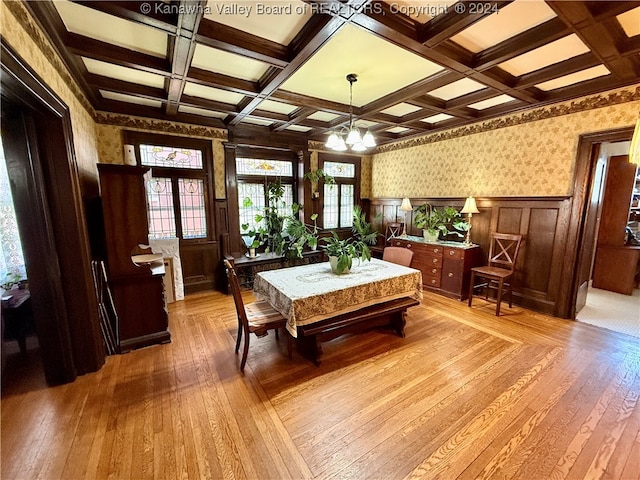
137, 288
616, 263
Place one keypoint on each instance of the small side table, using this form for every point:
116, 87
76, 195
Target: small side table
17, 317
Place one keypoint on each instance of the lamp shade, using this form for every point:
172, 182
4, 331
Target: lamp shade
406, 205
470, 206
634, 149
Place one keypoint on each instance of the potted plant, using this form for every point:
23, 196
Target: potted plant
430, 221
341, 253
314, 176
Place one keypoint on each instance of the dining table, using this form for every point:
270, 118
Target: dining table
320, 305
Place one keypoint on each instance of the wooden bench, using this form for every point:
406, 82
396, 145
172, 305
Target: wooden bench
389, 314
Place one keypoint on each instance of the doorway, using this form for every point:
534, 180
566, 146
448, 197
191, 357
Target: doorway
36, 129
602, 302
594, 150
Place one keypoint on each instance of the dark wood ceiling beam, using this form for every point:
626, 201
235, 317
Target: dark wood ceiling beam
601, 36
296, 117
416, 89
313, 102
181, 50
531, 39
504, 82
126, 88
448, 24
152, 13
232, 40
470, 98
220, 81
557, 70
596, 85
630, 46
107, 52
205, 103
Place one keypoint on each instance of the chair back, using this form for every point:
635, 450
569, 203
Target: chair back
235, 291
393, 230
503, 251
399, 255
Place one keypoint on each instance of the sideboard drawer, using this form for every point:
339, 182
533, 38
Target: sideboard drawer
431, 281
454, 253
426, 261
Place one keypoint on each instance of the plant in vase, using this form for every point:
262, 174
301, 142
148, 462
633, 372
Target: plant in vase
430, 220
436, 222
341, 253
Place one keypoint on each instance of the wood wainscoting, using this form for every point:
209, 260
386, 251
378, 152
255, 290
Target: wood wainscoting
542, 220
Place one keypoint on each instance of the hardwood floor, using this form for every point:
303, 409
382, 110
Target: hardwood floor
464, 395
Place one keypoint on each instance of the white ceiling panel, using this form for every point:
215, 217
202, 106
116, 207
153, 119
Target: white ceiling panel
107, 28
201, 111
515, 18
581, 76
630, 22
381, 68
457, 89
401, 109
437, 118
276, 20
226, 63
492, 102
210, 93
123, 73
554, 52
130, 99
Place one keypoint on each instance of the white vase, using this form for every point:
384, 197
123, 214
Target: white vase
333, 261
430, 237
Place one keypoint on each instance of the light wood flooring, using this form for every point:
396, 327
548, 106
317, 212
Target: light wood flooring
464, 395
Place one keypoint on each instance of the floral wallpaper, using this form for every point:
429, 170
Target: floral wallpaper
24, 36
528, 154
110, 144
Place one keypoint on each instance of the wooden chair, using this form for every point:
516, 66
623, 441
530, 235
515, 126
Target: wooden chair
399, 255
393, 230
503, 254
257, 317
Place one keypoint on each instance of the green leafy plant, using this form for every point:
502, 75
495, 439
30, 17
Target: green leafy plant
11, 279
437, 221
314, 176
343, 249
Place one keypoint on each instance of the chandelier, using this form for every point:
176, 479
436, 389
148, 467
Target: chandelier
355, 141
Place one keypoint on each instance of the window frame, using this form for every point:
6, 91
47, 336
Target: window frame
205, 174
266, 154
356, 161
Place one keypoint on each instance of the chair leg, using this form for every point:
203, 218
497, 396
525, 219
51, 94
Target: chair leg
471, 282
239, 336
510, 297
245, 350
499, 299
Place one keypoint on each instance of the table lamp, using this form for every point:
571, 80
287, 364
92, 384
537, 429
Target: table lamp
405, 207
469, 208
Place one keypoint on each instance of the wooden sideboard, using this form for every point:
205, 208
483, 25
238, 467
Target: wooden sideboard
445, 266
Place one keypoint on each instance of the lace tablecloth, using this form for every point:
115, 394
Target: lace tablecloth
311, 293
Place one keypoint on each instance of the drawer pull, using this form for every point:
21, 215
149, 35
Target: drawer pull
435, 270
436, 250
452, 252
408, 245
450, 275
435, 260
433, 281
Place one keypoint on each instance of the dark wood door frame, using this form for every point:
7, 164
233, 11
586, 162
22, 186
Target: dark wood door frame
583, 177
43, 172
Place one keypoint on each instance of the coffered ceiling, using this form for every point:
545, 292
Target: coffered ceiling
282, 64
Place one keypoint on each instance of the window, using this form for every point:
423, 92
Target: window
254, 178
339, 199
178, 185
